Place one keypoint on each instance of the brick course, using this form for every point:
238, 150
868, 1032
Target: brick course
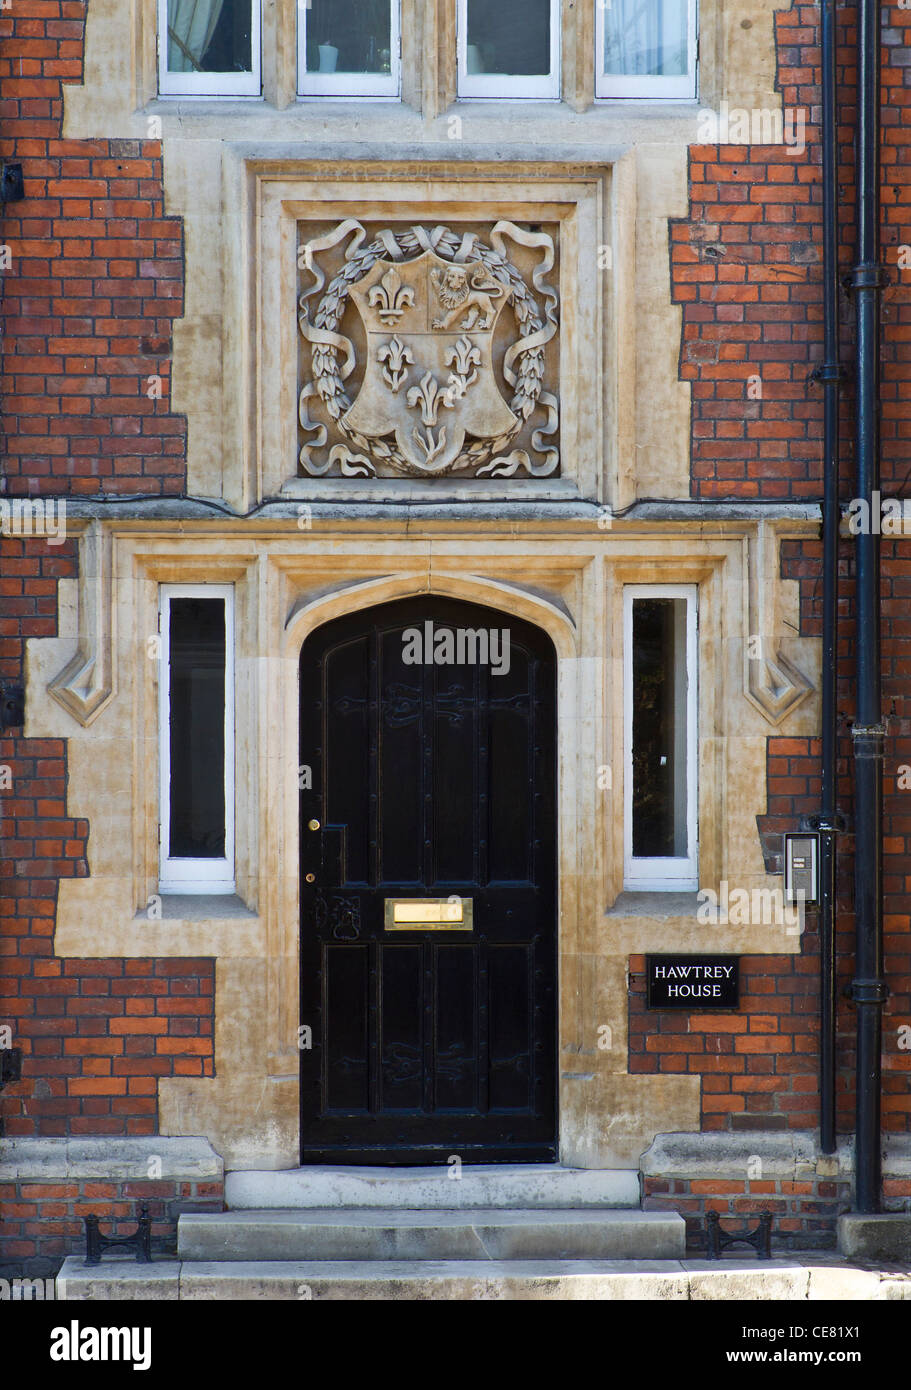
95, 283
42, 1222
803, 1213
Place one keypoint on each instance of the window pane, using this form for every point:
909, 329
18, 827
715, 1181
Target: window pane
659, 728
509, 38
647, 37
197, 707
209, 36
349, 36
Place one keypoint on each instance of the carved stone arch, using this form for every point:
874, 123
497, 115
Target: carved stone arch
551, 616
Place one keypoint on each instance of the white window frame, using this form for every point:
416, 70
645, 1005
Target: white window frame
613, 86
484, 86
180, 875
211, 84
350, 84
667, 874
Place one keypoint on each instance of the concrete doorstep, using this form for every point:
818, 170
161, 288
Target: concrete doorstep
806, 1278
513, 1186
473, 1234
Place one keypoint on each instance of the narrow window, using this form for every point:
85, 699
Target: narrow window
646, 48
660, 737
349, 48
209, 47
197, 739
509, 48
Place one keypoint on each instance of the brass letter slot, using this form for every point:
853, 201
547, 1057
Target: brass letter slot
429, 914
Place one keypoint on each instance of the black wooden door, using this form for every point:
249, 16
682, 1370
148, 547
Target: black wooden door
430, 781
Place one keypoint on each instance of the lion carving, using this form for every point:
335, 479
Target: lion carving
471, 294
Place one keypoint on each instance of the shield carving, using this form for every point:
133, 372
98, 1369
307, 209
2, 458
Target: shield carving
429, 377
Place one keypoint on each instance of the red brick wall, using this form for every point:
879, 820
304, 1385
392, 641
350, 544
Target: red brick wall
40, 1222
746, 268
97, 1035
94, 283
758, 1064
803, 1213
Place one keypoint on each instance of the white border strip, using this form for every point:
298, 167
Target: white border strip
662, 874
194, 875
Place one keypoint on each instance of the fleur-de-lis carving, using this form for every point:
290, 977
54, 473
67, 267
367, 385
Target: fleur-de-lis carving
391, 297
465, 358
430, 398
397, 355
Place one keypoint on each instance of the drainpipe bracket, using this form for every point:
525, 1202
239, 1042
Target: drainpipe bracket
869, 275
868, 740
833, 825
868, 991
827, 371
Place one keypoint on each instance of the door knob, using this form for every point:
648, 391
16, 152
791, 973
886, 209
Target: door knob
313, 825
310, 878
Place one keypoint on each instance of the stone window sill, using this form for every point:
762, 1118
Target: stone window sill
331, 121
655, 904
200, 907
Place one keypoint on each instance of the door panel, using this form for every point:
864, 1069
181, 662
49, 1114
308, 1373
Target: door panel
428, 781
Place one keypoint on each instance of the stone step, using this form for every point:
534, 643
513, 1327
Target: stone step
884, 1236
519, 1186
422, 1280
390, 1234
791, 1278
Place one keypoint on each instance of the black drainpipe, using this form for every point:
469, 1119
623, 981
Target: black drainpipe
868, 989
829, 374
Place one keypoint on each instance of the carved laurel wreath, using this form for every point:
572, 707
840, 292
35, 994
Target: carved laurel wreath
527, 354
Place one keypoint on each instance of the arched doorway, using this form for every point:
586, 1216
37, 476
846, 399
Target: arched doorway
428, 886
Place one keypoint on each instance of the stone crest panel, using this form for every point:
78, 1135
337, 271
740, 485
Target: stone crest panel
428, 350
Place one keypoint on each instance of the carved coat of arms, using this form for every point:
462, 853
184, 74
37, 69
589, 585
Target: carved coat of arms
430, 401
